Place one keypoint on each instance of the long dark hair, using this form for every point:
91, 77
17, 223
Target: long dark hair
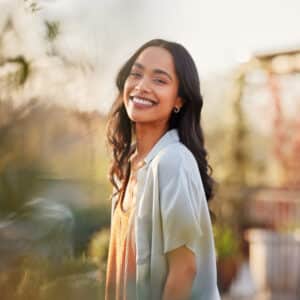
187, 121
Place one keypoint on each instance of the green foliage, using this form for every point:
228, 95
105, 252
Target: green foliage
75, 278
98, 250
18, 184
226, 241
52, 30
98, 247
36, 279
88, 221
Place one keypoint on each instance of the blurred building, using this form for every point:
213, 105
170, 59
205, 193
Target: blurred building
268, 98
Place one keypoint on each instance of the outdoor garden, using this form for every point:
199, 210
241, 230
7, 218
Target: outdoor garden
55, 193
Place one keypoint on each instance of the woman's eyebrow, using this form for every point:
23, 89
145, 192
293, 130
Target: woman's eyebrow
159, 71
156, 71
138, 65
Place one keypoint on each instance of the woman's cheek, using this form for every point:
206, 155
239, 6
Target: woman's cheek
126, 92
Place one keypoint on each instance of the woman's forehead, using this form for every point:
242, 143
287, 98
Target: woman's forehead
156, 58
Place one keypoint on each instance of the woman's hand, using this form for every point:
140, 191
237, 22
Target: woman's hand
181, 273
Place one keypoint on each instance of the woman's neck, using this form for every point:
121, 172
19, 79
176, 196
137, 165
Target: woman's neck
146, 138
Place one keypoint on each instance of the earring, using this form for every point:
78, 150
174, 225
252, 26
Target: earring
176, 110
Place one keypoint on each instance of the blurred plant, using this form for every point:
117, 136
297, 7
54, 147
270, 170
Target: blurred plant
15, 69
98, 251
32, 5
70, 266
98, 246
75, 278
52, 30
19, 170
13, 72
227, 246
18, 185
88, 221
226, 241
40, 279
286, 134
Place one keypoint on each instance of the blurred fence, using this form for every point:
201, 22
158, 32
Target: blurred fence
277, 208
274, 248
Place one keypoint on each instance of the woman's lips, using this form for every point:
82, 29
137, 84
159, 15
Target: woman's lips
142, 102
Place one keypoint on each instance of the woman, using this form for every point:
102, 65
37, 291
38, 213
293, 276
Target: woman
161, 244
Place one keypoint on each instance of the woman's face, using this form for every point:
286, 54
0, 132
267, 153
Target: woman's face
151, 89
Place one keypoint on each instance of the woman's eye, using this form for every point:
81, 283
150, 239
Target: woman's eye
135, 74
160, 81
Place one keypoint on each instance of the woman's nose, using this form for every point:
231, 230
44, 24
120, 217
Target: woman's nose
142, 85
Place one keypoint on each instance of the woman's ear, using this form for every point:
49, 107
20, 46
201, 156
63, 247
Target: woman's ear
179, 102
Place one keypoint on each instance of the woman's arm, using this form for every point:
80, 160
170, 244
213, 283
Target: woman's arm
181, 273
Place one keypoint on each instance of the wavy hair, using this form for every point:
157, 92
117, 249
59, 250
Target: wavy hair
187, 121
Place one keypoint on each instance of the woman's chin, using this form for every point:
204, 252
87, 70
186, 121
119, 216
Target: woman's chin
138, 118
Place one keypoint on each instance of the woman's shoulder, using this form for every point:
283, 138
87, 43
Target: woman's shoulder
175, 157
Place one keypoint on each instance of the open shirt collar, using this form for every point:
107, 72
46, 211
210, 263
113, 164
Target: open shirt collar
170, 137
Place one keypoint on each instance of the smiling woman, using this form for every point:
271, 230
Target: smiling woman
161, 242
151, 89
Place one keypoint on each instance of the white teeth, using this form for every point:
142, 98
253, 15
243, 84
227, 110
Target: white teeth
142, 101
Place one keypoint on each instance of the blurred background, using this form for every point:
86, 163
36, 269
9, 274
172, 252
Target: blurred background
58, 62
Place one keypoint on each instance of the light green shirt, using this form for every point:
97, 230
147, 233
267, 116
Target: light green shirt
172, 211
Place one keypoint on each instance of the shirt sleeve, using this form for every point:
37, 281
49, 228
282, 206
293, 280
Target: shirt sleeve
181, 200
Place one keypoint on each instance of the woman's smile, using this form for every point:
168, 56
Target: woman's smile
142, 103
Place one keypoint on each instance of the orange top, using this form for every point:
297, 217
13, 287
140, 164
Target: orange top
121, 264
